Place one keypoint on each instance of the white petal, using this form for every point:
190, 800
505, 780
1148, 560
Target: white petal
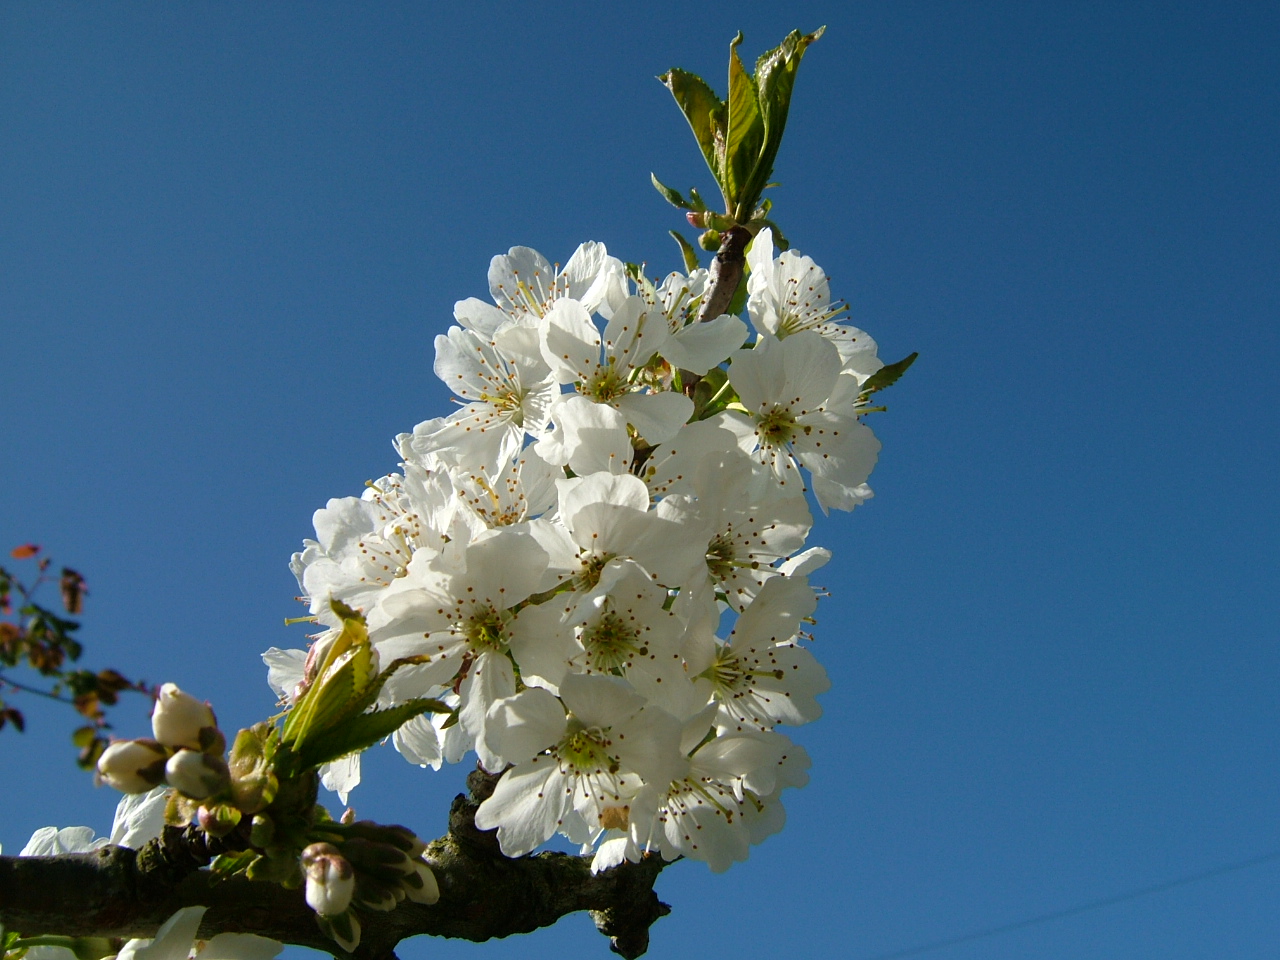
173, 941
524, 725
656, 416
284, 669
139, 818
341, 775
527, 806
700, 346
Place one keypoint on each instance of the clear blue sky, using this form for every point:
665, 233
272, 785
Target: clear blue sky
229, 234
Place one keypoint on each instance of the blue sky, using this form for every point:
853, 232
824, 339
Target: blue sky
231, 233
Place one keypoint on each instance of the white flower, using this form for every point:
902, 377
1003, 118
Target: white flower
574, 772
176, 940
702, 812
791, 294
607, 517
463, 621
365, 543
621, 628
588, 438
521, 491
611, 368
798, 410
139, 817
508, 395
761, 677
524, 286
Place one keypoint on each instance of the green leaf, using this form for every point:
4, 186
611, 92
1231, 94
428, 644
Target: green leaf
672, 197
689, 254
779, 241
229, 864
887, 375
357, 733
739, 298
704, 111
775, 80
744, 136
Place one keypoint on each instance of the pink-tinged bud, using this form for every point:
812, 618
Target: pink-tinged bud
196, 775
179, 717
330, 879
133, 766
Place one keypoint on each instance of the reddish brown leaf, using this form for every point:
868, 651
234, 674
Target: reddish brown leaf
25, 551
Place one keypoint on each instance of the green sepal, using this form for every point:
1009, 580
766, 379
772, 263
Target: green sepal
887, 375
689, 254
361, 731
229, 864
708, 398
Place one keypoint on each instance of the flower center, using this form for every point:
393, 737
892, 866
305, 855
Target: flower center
606, 385
484, 631
729, 674
777, 427
586, 752
720, 556
611, 643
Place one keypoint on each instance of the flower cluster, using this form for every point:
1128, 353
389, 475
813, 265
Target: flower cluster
599, 561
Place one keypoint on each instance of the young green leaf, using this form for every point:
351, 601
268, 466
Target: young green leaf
689, 254
357, 733
704, 111
887, 375
672, 197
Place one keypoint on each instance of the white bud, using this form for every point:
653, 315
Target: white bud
179, 717
195, 774
133, 766
330, 879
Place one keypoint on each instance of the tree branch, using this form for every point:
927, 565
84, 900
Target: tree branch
117, 892
726, 272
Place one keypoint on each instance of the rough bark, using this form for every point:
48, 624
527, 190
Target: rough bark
117, 892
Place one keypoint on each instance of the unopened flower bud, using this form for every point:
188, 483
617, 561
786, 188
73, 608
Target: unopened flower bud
196, 775
133, 766
179, 717
218, 820
330, 879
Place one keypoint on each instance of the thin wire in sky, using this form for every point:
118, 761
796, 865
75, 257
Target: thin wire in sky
1079, 908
